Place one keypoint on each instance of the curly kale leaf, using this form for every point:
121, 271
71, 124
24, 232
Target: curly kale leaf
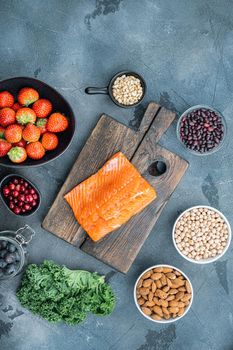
57, 293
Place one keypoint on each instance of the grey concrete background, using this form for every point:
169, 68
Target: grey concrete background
184, 50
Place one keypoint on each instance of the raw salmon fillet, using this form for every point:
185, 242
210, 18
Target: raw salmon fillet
109, 198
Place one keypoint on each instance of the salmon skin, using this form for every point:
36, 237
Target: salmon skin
109, 198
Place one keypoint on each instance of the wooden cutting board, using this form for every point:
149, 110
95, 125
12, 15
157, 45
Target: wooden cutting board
120, 248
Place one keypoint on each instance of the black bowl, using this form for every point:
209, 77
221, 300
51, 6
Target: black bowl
13, 85
8, 179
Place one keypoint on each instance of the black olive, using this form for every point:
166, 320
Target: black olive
3, 263
10, 258
11, 247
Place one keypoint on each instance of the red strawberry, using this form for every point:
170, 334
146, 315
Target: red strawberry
25, 115
35, 150
42, 108
17, 154
13, 133
42, 125
21, 143
6, 99
27, 96
2, 131
4, 148
31, 133
57, 123
7, 116
16, 106
49, 141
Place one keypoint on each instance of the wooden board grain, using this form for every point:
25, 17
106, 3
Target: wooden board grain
120, 248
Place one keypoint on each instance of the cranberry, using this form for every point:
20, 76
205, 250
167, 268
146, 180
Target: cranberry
32, 191
25, 184
29, 198
10, 198
21, 197
6, 191
27, 207
23, 210
22, 189
26, 192
21, 181
15, 181
15, 200
35, 196
15, 193
11, 205
17, 210
11, 186
17, 187
34, 203
20, 204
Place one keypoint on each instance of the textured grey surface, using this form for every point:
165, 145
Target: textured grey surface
183, 49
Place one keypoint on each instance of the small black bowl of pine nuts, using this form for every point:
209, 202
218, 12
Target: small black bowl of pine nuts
201, 234
126, 89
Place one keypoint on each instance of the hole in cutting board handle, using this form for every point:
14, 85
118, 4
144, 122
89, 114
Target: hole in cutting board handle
157, 168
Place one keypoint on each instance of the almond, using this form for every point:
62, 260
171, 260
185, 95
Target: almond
158, 284
141, 301
186, 297
170, 297
147, 282
173, 303
139, 283
161, 294
167, 269
179, 295
156, 276
182, 289
166, 289
146, 275
173, 291
158, 269
165, 311
188, 287
158, 310
173, 310
156, 317
144, 291
149, 303
167, 316
181, 311
150, 296
163, 280
153, 287
163, 303
146, 310
171, 275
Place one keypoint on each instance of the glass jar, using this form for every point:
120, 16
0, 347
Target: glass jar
13, 252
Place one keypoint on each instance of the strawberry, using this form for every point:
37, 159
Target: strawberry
17, 154
7, 116
31, 133
35, 150
25, 115
27, 96
16, 106
49, 141
13, 133
2, 131
6, 99
4, 148
42, 125
42, 108
21, 143
57, 122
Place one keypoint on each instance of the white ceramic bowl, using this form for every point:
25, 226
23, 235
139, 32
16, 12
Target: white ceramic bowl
163, 320
209, 260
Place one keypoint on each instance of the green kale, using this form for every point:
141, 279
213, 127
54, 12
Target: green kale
57, 293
